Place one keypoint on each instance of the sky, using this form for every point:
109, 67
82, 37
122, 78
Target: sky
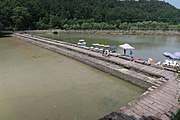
175, 3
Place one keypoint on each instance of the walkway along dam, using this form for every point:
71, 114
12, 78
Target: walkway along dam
161, 99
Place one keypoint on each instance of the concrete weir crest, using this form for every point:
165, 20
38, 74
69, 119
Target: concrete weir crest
160, 101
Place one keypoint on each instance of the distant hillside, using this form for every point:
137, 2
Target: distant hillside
33, 14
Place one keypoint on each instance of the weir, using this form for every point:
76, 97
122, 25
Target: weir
160, 101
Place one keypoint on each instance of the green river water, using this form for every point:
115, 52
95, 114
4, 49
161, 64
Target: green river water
146, 46
37, 84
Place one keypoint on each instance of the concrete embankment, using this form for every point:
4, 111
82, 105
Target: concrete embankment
160, 101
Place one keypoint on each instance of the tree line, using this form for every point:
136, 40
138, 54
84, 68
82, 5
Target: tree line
146, 25
87, 14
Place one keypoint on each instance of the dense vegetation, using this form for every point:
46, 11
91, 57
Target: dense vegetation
177, 117
87, 14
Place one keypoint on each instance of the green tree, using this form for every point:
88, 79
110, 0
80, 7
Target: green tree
76, 27
108, 14
55, 22
125, 26
42, 25
1, 26
85, 26
20, 17
64, 13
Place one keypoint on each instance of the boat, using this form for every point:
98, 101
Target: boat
81, 43
95, 44
112, 49
171, 63
106, 46
174, 56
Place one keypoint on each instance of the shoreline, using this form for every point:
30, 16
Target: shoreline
113, 32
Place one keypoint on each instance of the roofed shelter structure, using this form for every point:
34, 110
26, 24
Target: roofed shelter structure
126, 47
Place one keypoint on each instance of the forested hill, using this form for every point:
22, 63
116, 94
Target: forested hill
43, 14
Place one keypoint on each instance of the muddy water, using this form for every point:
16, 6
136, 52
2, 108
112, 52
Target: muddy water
37, 84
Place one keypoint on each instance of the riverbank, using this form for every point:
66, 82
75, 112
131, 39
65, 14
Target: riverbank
113, 32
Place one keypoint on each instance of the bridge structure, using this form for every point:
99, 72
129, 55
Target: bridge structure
160, 101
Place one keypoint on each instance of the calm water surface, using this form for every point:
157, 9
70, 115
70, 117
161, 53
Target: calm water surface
146, 46
37, 84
